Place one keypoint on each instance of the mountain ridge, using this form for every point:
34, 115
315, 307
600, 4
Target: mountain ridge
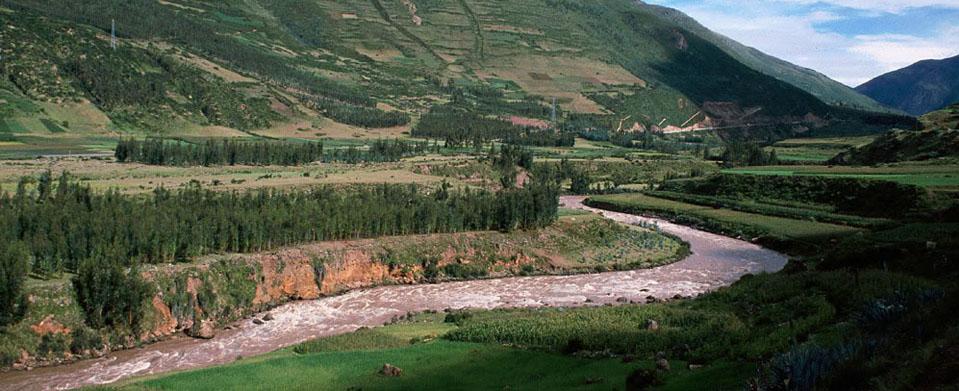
917, 89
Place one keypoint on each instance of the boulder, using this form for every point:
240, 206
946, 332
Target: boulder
389, 370
257, 321
662, 364
268, 317
652, 325
204, 329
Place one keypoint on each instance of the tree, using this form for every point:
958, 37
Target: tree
580, 182
14, 266
109, 294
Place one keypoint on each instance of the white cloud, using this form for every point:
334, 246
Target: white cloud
777, 29
894, 6
892, 51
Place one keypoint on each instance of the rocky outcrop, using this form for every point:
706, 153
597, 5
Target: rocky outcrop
291, 274
286, 275
164, 323
356, 269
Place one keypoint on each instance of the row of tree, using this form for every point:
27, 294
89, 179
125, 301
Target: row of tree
458, 128
63, 224
366, 117
167, 152
52, 226
747, 154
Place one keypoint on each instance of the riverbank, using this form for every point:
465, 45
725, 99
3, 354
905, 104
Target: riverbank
805, 328
716, 261
199, 299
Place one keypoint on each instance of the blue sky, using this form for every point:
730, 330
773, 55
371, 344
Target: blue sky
851, 41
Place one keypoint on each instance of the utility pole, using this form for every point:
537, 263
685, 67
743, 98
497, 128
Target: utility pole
553, 114
113, 34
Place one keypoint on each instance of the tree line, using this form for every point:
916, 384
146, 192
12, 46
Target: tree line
366, 117
169, 152
65, 223
461, 128
747, 154
52, 226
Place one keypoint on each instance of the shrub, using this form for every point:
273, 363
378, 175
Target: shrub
83, 339
802, 367
52, 345
458, 317
643, 379
464, 272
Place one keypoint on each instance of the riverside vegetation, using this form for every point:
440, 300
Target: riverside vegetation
809, 328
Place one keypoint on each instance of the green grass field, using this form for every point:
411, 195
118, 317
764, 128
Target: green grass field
352, 361
725, 220
815, 150
792, 210
934, 176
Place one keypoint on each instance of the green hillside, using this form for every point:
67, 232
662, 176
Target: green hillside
939, 138
353, 68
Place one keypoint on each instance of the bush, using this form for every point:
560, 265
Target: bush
643, 379
464, 272
52, 345
83, 339
802, 367
458, 317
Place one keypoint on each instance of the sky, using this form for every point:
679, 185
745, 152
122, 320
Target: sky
851, 41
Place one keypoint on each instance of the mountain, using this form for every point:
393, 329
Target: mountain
919, 88
373, 68
821, 86
939, 138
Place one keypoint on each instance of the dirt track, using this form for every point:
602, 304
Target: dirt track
716, 261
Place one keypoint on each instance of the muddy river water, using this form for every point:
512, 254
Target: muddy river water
715, 261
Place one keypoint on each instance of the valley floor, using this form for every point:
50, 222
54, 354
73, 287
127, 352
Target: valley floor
716, 261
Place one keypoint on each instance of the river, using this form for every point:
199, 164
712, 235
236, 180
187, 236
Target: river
715, 261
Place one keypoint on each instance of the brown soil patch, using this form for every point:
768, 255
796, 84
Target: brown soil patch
528, 122
49, 326
382, 55
512, 29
